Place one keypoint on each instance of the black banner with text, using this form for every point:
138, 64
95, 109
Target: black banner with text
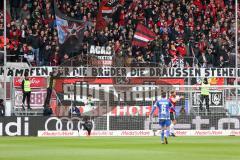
123, 72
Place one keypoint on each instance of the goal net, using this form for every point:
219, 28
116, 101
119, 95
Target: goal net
125, 106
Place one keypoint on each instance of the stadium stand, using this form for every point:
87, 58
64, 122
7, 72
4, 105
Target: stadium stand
184, 33
200, 33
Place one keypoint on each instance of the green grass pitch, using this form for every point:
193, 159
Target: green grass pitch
119, 148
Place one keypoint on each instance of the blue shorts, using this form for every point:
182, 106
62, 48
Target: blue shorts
164, 122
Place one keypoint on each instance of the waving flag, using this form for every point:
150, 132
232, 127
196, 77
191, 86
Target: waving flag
142, 36
67, 28
70, 32
61, 33
108, 7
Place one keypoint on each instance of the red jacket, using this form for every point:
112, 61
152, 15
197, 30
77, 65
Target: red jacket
182, 50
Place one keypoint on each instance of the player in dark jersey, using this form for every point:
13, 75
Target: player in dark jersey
87, 124
173, 99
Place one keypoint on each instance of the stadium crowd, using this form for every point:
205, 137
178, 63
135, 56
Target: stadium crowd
189, 32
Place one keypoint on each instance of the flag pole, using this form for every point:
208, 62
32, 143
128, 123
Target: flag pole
5, 51
236, 47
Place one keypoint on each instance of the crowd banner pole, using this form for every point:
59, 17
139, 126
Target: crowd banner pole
5, 50
236, 46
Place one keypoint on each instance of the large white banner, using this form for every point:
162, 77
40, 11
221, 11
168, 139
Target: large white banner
123, 72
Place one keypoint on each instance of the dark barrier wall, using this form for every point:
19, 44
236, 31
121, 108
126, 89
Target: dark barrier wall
21, 126
29, 126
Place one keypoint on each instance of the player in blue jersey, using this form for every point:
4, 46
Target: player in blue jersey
163, 106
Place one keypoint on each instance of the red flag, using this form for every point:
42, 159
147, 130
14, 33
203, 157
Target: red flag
108, 7
142, 36
101, 22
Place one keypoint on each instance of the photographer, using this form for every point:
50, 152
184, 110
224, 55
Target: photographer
74, 111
